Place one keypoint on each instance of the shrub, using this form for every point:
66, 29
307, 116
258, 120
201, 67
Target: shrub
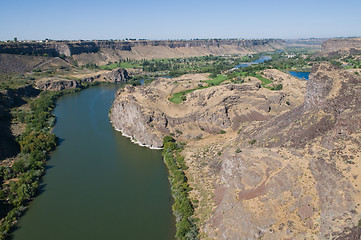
182, 208
238, 150
179, 132
168, 139
278, 87
183, 98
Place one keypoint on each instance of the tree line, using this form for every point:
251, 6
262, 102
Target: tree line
182, 208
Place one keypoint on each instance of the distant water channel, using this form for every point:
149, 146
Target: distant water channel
98, 184
260, 60
301, 75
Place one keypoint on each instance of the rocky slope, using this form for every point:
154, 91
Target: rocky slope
12, 63
280, 171
345, 44
55, 84
58, 83
301, 169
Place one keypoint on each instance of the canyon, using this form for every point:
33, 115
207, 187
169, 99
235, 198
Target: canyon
263, 163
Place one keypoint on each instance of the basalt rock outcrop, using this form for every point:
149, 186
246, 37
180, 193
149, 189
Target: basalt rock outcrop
52, 49
342, 45
146, 114
294, 176
56, 84
336, 44
138, 50
117, 75
102, 52
331, 104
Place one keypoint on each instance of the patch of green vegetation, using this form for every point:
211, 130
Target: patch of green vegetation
179, 66
217, 80
182, 208
129, 65
112, 66
253, 141
264, 80
178, 131
180, 96
90, 66
351, 62
13, 81
177, 97
35, 144
278, 87
109, 66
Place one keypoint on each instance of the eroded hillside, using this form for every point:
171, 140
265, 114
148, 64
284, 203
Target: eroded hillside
262, 164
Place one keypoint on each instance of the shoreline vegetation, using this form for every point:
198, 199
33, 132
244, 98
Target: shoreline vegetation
183, 210
21, 181
23, 177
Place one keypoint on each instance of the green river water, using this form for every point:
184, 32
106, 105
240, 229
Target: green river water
98, 185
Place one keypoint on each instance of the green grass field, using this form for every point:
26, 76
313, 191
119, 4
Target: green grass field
109, 67
217, 80
129, 65
177, 97
264, 80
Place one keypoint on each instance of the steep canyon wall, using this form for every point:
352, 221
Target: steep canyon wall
100, 52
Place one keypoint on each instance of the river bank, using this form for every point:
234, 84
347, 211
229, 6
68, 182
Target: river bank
97, 182
21, 176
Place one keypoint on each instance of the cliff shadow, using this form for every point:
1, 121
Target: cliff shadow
9, 147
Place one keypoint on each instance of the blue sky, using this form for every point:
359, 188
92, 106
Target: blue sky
185, 19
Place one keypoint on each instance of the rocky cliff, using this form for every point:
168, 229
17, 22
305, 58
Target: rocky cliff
146, 114
101, 52
261, 168
52, 49
58, 83
337, 44
55, 84
113, 51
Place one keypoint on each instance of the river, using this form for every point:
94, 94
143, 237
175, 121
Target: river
98, 185
301, 75
260, 60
